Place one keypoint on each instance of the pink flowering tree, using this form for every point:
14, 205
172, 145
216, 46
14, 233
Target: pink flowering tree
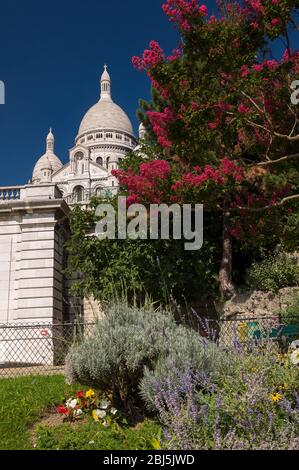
228, 133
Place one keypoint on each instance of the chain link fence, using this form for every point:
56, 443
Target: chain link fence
41, 348
280, 332
38, 348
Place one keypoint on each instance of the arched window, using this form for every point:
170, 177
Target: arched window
107, 162
78, 194
100, 161
99, 191
79, 156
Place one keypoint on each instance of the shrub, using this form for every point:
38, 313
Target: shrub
252, 404
290, 314
274, 273
155, 268
186, 352
129, 341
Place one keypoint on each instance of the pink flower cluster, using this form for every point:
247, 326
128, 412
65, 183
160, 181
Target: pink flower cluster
160, 122
220, 110
163, 92
145, 186
227, 170
267, 14
255, 5
266, 64
150, 58
181, 11
176, 54
242, 109
293, 58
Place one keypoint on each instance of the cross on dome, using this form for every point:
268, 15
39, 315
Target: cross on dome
50, 141
105, 85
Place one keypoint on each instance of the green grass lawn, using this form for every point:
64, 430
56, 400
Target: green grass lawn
22, 403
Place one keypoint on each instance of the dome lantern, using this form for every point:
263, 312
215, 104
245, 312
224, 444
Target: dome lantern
50, 141
105, 85
105, 115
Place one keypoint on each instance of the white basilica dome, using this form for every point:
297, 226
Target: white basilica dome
105, 114
48, 162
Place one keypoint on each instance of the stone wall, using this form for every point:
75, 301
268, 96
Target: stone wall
33, 231
254, 304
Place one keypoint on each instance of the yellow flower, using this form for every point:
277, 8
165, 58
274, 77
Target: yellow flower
155, 444
284, 386
95, 415
90, 393
276, 397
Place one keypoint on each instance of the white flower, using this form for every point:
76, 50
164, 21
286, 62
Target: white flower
295, 344
113, 411
295, 357
78, 412
91, 442
72, 403
101, 414
105, 424
104, 404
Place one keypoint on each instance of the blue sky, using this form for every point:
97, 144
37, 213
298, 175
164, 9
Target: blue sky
51, 57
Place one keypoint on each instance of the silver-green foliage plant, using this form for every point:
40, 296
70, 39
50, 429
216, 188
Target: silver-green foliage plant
129, 341
186, 351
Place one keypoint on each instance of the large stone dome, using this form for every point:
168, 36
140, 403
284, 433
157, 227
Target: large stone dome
105, 114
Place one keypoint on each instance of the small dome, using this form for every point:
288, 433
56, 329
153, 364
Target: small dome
142, 131
106, 114
48, 161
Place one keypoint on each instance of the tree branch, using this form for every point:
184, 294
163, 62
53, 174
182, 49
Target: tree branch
253, 102
279, 160
281, 203
294, 138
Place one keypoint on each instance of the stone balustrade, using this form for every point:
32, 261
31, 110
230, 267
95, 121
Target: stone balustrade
10, 193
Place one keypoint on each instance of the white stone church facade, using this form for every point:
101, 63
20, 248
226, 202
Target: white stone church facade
34, 217
105, 137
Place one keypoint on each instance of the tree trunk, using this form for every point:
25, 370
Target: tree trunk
227, 288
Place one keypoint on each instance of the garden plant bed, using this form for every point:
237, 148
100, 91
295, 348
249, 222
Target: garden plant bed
29, 420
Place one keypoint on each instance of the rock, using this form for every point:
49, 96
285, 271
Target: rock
256, 304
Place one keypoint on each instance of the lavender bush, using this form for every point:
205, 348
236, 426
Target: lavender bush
130, 342
253, 405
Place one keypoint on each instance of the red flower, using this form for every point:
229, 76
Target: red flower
62, 410
80, 394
